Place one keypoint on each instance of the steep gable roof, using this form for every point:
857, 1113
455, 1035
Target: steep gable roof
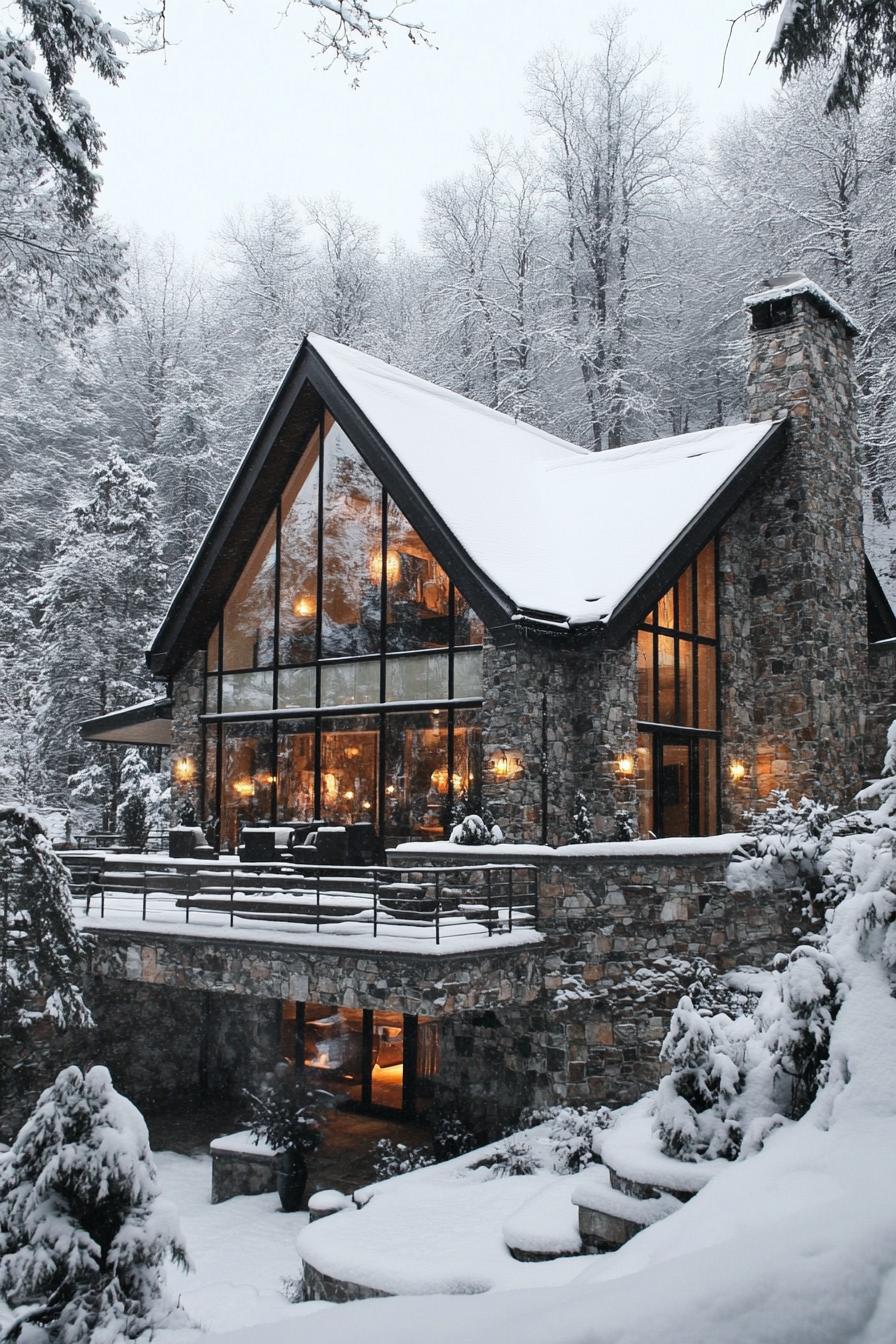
535, 530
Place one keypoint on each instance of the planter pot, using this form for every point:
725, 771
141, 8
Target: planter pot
292, 1177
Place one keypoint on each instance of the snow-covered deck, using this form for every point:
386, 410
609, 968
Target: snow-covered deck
461, 908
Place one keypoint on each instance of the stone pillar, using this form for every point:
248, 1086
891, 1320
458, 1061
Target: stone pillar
186, 736
565, 714
808, 631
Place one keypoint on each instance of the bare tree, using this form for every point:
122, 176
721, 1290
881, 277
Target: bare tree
614, 145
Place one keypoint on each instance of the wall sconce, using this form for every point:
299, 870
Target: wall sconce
184, 769
305, 606
505, 765
625, 766
268, 780
393, 566
737, 770
244, 788
390, 790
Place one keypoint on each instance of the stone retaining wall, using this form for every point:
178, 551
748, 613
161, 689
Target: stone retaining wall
620, 933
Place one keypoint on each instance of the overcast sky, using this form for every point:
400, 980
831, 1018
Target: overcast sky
240, 108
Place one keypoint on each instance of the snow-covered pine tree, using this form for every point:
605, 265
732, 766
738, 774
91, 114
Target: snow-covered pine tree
99, 600
582, 833
694, 1114
84, 1236
41, 947
137, 779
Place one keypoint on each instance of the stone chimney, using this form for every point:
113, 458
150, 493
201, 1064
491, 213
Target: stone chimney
808, 620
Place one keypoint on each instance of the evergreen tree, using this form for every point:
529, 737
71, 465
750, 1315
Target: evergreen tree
84, 1236
857, 37
99, 600
40, 948
581, 821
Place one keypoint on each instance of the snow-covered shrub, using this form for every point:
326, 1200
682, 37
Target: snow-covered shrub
394, 1159
474, 831
570, 1132
451, 1137
734, 1079
582, 833
40, 948
784, 847
84, 1236
624, 828
514, 1157
697, 1111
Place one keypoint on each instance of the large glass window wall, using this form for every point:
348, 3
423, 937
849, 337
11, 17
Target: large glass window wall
678, 706
356, 660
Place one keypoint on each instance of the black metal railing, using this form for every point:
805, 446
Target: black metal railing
421, 904
156, 841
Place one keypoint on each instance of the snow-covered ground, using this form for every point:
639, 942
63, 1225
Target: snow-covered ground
242, 1250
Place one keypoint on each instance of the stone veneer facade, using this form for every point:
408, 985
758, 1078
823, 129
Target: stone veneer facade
578, 1017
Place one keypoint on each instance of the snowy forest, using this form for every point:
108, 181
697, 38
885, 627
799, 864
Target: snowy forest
589, 280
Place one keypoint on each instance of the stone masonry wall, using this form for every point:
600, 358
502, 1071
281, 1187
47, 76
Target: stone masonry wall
162, 1046
805, 559
186, 733
569, 713
620, 932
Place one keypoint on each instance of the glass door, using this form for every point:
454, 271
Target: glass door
367, 1057
675, 788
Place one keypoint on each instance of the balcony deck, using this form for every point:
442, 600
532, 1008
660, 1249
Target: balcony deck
423, 910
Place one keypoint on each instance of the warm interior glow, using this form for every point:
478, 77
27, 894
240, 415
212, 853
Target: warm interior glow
305, 606
439, 780
625, 765
393, 566
184, 768
244, 787
737, 770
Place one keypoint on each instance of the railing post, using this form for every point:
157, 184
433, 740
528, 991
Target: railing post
438, 906
488, 878
102, 893
510, 900
231, 896
145, 881
376, 891
187, 904
317, 900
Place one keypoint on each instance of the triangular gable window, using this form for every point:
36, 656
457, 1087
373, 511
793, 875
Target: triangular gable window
341, 604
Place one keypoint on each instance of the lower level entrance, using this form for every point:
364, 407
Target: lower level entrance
378, 1062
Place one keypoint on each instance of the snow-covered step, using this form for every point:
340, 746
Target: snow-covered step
545, 1227
608, 1218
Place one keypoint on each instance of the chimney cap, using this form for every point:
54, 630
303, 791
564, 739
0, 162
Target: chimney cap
793, 283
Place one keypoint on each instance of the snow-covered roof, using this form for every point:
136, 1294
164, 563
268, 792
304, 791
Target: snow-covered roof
532, 528
561, 531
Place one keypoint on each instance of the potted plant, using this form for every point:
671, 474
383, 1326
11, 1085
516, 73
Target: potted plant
289, 1117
